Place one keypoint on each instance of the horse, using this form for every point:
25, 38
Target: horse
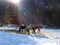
37, 27
22, 28
28, 29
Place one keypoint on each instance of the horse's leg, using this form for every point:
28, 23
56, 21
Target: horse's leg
39, 30
22, 30
19, 30
28, 31
33, 30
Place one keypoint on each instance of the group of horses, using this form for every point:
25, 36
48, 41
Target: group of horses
29, 28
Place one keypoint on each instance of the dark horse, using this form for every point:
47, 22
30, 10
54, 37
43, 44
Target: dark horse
22, 28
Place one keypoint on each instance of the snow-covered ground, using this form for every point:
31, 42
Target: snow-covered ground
47, 37
9, 28
51, 33
22, 39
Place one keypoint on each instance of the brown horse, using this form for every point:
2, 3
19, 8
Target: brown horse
37, 27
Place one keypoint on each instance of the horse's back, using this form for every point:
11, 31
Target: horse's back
22, 27
28, 27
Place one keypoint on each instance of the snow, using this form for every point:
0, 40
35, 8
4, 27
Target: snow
47, 37
51, 33
51, 30
9, 28
23, 39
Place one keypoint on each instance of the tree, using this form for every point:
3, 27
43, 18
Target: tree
12, 15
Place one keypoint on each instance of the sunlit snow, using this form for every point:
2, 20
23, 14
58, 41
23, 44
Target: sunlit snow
7, 38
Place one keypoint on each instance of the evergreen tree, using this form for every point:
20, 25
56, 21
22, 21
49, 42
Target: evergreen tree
12, 15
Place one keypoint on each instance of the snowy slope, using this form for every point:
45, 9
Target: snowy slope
51, 33
47, 37
22, 39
